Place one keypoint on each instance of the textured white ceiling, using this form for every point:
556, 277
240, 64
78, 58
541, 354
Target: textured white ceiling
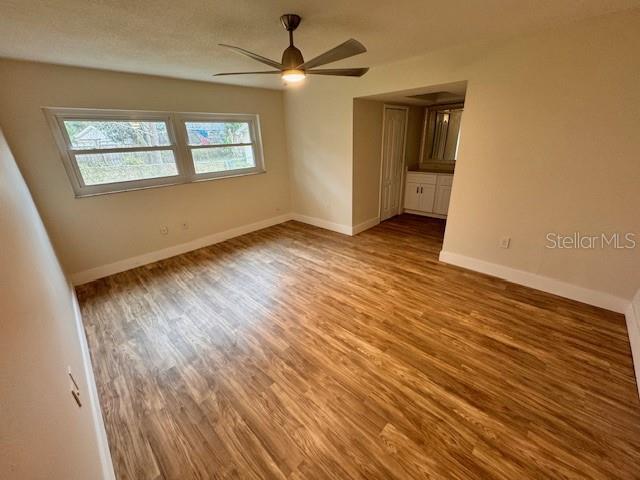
179, 38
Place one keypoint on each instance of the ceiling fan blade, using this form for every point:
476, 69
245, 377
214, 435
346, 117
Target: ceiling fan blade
345, 50
341, 72
246, 73
255, 56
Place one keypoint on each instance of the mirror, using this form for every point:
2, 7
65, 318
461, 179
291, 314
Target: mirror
442, 132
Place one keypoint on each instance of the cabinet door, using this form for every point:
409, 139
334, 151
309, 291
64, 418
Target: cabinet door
412, 196
443, 195
427, 197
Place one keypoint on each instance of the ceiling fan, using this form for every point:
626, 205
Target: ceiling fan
293, 68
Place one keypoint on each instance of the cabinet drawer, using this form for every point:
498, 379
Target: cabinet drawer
419, 177
445, 180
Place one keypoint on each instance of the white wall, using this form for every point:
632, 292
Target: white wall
549, 143
43, 434
95, 231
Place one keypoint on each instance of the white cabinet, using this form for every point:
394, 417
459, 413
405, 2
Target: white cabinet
419, 196
441, 204
427, 197
420, 192
428, 193
412, 196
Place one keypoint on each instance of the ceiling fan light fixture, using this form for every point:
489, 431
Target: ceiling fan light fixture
293, 68
293, 75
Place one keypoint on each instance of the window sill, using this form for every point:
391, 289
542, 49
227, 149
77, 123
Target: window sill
171, 184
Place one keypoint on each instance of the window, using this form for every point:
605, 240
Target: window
220, 145
106, 151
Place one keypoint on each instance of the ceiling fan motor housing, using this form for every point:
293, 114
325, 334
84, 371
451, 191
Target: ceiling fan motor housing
291, 57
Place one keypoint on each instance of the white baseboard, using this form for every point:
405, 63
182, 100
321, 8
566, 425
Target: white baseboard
366, 225
92, 394
539, 282
633, 327
92, 274
337, 227
319, 222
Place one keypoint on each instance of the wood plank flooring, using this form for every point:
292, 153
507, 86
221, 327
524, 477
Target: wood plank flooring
298, 353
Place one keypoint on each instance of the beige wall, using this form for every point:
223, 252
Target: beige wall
548, 143
367, 146
94, 231
320, 138
43, 434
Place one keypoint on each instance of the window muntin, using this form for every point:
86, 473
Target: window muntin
107, 151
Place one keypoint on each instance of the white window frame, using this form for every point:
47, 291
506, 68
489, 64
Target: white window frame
177, 133
255, 143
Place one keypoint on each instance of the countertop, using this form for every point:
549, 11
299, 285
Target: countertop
433, 170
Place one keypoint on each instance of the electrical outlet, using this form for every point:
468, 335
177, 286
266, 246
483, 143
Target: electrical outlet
75, 389
164, 230
505, 242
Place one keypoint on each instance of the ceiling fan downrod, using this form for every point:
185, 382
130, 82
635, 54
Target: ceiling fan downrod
291, 57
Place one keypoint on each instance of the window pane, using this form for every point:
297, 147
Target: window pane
90, 134
218, 133
100, 168
221, 159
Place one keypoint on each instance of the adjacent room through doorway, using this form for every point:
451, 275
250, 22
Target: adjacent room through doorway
408, 143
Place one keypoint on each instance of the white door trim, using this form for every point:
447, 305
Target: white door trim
404, 151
